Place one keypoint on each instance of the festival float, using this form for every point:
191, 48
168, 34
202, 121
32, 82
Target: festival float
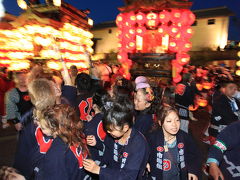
45, 33
154, 38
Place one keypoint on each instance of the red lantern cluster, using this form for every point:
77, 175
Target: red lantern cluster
173, 22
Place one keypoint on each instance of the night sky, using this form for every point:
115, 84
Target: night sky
106, 10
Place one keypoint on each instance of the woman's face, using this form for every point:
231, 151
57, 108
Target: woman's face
140, 101
171, 124
117, 132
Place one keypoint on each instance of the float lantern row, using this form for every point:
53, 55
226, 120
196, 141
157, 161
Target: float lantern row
21, 44
171, 29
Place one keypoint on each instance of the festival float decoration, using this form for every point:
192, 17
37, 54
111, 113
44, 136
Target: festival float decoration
45, 33
155, 35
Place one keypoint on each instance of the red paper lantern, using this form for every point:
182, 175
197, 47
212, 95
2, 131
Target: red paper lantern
202, 102
187, 18
177, 79
207, 85
120, 19
184, 46
141, 18
183, 58
122, 56
164, 16
140, 30
152, 19
187, 32
199, 86
131, 45
163, 29
173, 30
176, 15
173, 46
130, 19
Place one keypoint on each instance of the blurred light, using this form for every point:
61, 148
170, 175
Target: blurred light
22, 4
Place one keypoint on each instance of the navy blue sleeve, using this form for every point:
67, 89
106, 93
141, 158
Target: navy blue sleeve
26, 144
193, 156
70, 93
144, 123
136, 156
228, 139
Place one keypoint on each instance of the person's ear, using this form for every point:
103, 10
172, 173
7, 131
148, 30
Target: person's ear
148, 105
125, 127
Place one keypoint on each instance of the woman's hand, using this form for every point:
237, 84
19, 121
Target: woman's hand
91, 166
215, 172
148, 167
192, 176
91, 140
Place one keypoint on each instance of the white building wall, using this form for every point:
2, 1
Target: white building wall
108, 42
210, 36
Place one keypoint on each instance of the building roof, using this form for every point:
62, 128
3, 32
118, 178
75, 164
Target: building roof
106, 24
213, 12
201, 13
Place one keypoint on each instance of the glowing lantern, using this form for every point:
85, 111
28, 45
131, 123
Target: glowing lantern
177, 79
163, 29
187, 32
187, 18
173, 46
22, 4
199, 86
140, 30
54, 65
184, 46
238, 63
152, 19
130, 19
238, 72
176, 15
207, 85
202, 102
182, 58
193, 108
119, 19
122, 56
238, 53
131, 31
164, 16
131, 45
141, 18
173, 30
57, 3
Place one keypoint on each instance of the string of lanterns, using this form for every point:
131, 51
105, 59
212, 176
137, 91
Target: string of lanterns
174, 25
20, 44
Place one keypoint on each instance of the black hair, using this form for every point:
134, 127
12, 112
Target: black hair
83, 82
118, 114
161, 115
100, 97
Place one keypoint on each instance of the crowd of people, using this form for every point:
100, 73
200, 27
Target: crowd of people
75, 126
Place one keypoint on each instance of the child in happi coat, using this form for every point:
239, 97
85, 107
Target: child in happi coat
173, 154
61, 145
126, 149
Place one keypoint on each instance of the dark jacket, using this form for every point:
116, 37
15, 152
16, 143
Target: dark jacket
189, 155
131, 159
226, 151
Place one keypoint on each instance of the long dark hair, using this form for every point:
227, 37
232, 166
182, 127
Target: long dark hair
118, 113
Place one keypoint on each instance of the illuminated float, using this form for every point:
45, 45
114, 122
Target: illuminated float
44, 33
155, 35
